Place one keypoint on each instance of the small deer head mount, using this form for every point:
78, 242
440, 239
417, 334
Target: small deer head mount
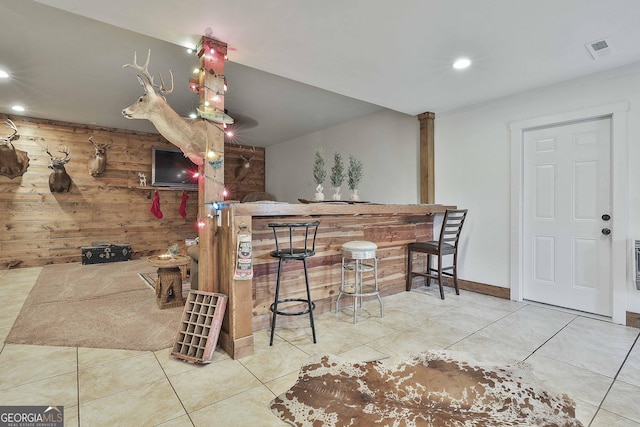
13, 162
59, 179
98, 163
242, 171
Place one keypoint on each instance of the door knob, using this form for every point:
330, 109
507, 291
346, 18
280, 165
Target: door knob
606, 231
606, 217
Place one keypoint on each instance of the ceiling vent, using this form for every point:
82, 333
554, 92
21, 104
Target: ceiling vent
600, 49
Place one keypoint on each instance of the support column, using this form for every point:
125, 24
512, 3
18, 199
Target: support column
211, 185
427, 169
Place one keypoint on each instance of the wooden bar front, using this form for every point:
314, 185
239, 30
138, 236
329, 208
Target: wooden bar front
391, 227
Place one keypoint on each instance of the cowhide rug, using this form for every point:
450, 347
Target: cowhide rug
427, 389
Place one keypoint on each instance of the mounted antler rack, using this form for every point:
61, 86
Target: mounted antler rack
13, 162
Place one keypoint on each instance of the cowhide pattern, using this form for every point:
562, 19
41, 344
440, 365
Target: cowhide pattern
426, 389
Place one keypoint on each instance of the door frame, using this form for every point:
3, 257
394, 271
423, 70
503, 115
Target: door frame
617, 113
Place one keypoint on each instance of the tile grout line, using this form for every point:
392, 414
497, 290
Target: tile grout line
615, 378
78, 383
172, 388
550, 338
486, 326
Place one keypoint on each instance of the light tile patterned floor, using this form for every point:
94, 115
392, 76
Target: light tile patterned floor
595, 362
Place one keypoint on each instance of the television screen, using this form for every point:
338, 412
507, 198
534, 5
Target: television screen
170, 168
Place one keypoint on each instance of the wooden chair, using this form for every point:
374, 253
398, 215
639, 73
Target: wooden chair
447, 244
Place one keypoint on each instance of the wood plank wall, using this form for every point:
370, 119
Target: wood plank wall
39, 227
254, 181
390, 233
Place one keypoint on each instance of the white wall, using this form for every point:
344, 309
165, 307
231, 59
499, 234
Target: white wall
476, 140
472, 152
387, 143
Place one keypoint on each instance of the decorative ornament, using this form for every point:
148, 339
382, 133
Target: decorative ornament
173, 251
155, 206
183, 205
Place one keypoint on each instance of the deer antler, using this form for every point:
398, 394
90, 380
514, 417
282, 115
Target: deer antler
99, 146
60, 160
145, 72
162, 88
10, 125
144, 69
248, 159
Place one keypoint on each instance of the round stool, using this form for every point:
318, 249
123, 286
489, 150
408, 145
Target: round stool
359, 257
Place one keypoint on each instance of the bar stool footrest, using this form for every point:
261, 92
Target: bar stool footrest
297, 313
364, 267
348, 289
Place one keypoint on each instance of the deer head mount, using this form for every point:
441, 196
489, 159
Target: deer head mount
59, 179
13, 162
242, 171
98, 163
187, 134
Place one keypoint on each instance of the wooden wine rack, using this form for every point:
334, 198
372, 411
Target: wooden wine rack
201, 322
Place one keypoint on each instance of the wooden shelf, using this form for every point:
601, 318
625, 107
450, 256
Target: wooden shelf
152, 188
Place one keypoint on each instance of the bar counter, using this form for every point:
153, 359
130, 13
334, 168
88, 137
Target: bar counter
391, 227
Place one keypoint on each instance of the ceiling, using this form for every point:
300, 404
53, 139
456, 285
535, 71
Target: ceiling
296, 67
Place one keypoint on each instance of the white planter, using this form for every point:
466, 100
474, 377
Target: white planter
336, 193
354, 195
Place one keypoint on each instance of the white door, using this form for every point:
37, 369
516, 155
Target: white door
566, 251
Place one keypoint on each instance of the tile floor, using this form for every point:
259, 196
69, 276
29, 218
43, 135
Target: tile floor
595, 362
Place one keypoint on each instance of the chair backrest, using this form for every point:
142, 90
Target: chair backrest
300, 236
452, 226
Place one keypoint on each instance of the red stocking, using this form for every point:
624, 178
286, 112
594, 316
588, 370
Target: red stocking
183, 205
155, 206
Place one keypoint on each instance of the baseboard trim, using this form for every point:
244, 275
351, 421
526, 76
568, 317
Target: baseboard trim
633, 319
481, 288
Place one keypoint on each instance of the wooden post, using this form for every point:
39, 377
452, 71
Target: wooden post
211, 184
427, 169
236, 336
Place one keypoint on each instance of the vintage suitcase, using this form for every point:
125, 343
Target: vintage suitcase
99, 253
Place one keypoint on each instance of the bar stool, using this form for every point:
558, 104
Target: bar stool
354, 255
302, 234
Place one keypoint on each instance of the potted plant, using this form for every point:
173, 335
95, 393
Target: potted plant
337, 175
319, 173
354, 176
173, 250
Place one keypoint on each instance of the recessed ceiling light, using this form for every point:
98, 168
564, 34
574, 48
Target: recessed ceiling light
4, 74
19, 108
461, 63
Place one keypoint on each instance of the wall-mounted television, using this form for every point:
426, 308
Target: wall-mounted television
170, 168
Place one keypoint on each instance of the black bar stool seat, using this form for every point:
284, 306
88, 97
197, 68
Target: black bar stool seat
295, 241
